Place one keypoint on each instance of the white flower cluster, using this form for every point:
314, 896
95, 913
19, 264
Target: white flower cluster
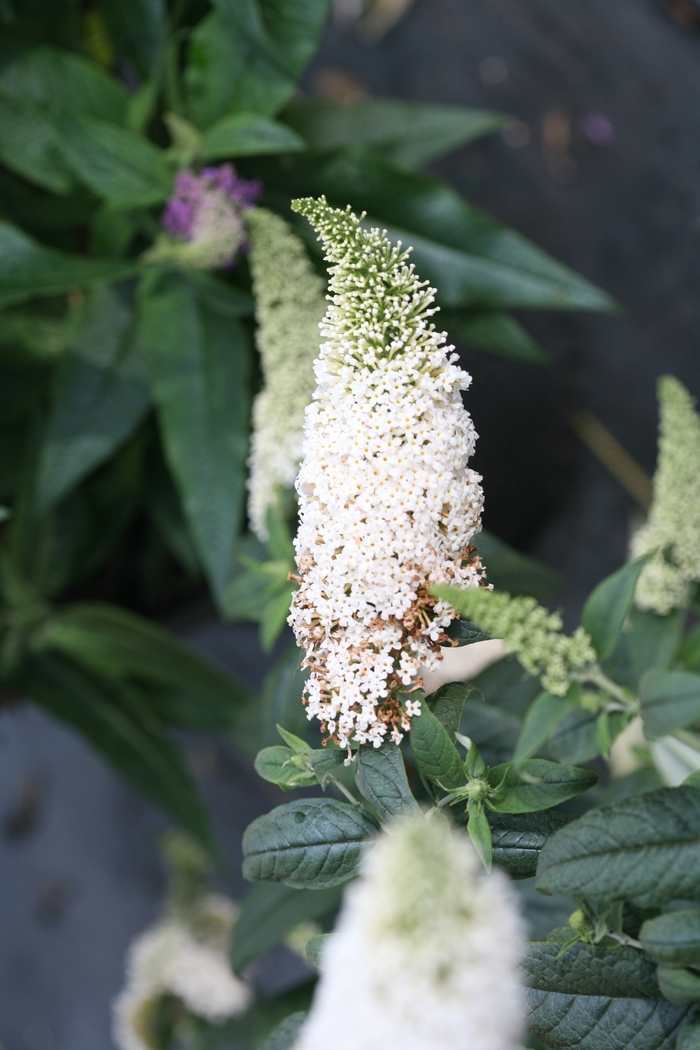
425, 952
674, 518
388, 505
185, 959
289, 304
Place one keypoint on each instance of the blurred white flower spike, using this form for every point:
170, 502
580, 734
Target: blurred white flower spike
425, 953
289, 304
388, 506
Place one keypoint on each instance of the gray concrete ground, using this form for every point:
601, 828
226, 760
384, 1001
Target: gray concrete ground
79, 873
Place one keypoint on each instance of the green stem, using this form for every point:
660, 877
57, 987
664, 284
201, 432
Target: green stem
596, 676
343, 790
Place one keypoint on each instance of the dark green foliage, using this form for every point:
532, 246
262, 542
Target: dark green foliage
519, 838
381, 777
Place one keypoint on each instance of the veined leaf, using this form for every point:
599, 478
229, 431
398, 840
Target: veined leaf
200, 367
276, 765
536, 784
608, 604
249, 135
28, 146
645, 849
269, 911
435, 753
100, 396
447, 703
381, 777
62, 80
673, 938
670, 700
518, 839
314, 843
29, 270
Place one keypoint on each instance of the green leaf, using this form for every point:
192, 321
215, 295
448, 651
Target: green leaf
62, 80
673, 938
689, 651
679, 985
608, 605
497, 332
480, 833
126, 735
652, 640
324, 762
113, 641
597, 999
510, 570
246, 57
435, 753
139, 30
464, 632
693, 779
200, 373
115, 163
100, 396
28, 146
447, 704
381, 777
473, 260
298, 746
689, 1037
576, 738
412, 133
644, 849
248, 135
276, 765
519, 838
287, 1032
29, 270
316, 947
670, 700
545, 714
313, 843
536, 784
269, 911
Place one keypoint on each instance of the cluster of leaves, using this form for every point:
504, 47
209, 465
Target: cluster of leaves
126, 386
625, 970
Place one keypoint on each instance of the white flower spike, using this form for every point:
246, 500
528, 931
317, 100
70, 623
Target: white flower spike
425, 953
388, 506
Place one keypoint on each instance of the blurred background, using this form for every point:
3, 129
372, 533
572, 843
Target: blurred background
602, 169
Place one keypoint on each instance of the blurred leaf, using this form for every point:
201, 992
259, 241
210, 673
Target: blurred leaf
248, 135
670, 700
246, 56
608, 605
29, 147
125, 734
165, 512
29, 270
277, 765
412, 133
139, 30
269, 910
287, 1032
381, 777
100, 395
313, 843
545, 714
493, 731
652, 640
61, 80
497, 332
673, 938
472, 259
117, 164
199, 364
519, 574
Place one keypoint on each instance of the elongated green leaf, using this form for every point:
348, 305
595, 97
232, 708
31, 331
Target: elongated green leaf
652, 640
29, 270
249, 135
518, 839
139, 29
545, 714
464, 632
689, 1038
497, 332
488, 266
200, 368
107, 639
61, 80
276, 765
597, 999
670, 700
645, 849
269, 911
537, 784
286, 1034
690, 649
381, 777
608, 604
515, 572
447, 703
412, 133
117, 164
679, 985
28, 146
310, 844
100, 396
129, 738
324, 762
435, 753
576, 738
673, 938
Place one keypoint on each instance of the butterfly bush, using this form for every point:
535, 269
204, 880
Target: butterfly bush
387, 503
204, 218
425, 952
530, 631
290, 303
673, 526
